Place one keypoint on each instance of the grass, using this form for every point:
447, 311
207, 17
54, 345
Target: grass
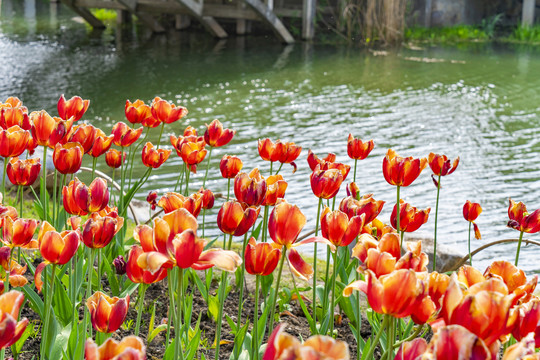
526, 34
453, 34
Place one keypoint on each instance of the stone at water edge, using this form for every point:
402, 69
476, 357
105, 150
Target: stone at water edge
447, 257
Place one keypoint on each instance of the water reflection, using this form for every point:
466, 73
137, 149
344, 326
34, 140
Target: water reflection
480, 102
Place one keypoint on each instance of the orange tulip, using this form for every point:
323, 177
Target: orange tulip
325, 183
16, 272
80, 199
18, 233
284, 346
167, 112
437, 285
313, 160
470, 213
107, 314
250, 189
186, 250
267, 150
11, 116
152, 157
57, 248
164, 230
441, 165
410, 218
368, 206
528, 317
11, 101
207, 198
412, 350
98, 231
338, 229
172, 201
397, 294
284, 152
414, 258
261, 258
353, 190
235, 218
84, 135
151, 199
216, 136
484, 313
124, 136
513, 277
115, 158
67, 158
523, 350
13, 141
358, 150
275, 189
102, 143
23, 172
11, 329
522, 220
47, 130
129, 348
230, 166
456, 342
401, 171
137, 112
139, 275
190, 131
284, 225
72, 108
192, 153
378, 256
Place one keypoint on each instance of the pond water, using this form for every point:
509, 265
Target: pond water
480, 102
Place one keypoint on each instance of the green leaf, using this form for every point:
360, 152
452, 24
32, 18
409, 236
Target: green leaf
213, 307
202, 288
61, 303
34, 300
128, 290
26, 334
60, 343
111, 276
152, 334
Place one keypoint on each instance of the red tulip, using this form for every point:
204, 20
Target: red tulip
207, 198
528, 317
98, 231
456, 342
13, 141
410, 218
129, 348
124, 136
368, 206
139, 275
313, 160
152, 157
16, 272
107, 314
79, 199
23, 172
381, 256
470, 213
358, 150
261, 258
338, 229
275, 189
441, 165
11, 329
48, 131
11, 101
166, 112
137, 112
11, 116
250, 189
401, 171
151, 199
18, 233
521, 220
412, 350
172, 201
57, 248
216, 136
102, 143
235, 218
84, 135
325, 183
67, 158
72, 108
115, 158
230, 166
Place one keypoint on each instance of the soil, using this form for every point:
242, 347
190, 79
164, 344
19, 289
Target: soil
296, 324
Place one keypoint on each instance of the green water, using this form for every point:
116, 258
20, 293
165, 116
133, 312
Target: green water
480, 102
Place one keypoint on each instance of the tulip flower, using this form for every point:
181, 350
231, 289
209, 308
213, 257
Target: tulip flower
172, 201
67, 158
190, 131
313, 160
235, 218
207, 199
514, 278
12, 270
358, 150
267, 150
275, 189
401, 171
137, 112
102, 143
115, 158
528, 317
338, 228
11, 116
11, 101
325, 183
11, 329
120, 265
13, 141
353, 190
522, 221
18, 233
414, 258
410, 217
23, 172
411, 350
284, 152
230, 166
457, 342
470, 213
139, 275
79, 199
84, 135
107, 314
152, 157
250, 189
129, 348
381, 256
98, 231
151, 199
124, 136
261, 258
167, 112
216, 136
72, 108
192, 153
368, 206
47, 130
523, 350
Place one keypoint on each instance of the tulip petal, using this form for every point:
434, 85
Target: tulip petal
298, 266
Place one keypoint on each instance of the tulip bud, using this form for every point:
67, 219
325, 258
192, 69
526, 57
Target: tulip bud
120, 265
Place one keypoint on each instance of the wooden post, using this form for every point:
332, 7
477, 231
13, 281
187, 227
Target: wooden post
527, 12
85, 14
241, 24
309, 8
182, 22
268, 17
427, 15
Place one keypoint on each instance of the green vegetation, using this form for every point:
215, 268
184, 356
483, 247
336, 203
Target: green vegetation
107, 16
526, 34
452, 34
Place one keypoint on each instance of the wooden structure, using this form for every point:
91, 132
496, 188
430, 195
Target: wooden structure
208, 13
527, 12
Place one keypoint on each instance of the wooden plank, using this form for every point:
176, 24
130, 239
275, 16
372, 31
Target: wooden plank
147, 19
195, 9
427, 14
308, 19
85, 14
527, 12
268, 17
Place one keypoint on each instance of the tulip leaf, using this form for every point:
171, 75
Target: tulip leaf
202, 288
213, 307
169, 353
244, 355
266, 284
128, 290
62, 304
34, 300
60, 343
155, 332
194, 342
239, 340
26, 334
111, 276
